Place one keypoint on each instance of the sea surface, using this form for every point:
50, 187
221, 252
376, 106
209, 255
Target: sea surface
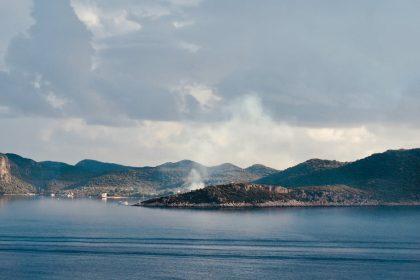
44, 238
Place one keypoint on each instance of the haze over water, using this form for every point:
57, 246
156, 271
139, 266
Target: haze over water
90, 239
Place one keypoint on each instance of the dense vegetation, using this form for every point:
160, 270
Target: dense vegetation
392, 174
89, 177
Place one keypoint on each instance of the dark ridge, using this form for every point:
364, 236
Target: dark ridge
99, 167
260, 170
392, 174
302, 169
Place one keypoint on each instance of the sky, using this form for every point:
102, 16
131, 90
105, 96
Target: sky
143, 82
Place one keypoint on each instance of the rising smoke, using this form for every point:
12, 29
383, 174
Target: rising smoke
194, 180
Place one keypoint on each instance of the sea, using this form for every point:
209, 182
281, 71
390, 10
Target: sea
52, 238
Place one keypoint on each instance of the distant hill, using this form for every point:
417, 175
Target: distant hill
98, 167
392, 174
260, 170
302, 169
170, 176
392, 177
91, 177
36, 176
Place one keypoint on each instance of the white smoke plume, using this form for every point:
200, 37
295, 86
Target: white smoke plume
195, 180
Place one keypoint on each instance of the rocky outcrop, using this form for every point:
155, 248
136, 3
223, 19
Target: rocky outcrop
5, 175
10, 184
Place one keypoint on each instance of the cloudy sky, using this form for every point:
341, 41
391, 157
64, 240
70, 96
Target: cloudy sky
142, 82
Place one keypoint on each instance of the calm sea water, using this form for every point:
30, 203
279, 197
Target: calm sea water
44, 238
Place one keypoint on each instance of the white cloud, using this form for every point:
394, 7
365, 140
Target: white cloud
190, 47
37, 81
104, 23
249, 136
88, 15
204, 95
153, 12
122, 24
4, 110
185, 3
55, 101
182, 24
354, 135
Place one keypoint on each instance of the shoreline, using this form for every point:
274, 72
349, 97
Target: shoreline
269, 204
63, 196
276, 205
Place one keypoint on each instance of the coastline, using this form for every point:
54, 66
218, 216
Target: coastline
19, 194
275, 205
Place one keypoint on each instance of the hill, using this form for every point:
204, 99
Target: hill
393, 174
172, 176
21, 175
390, 176
302, 169
99, 167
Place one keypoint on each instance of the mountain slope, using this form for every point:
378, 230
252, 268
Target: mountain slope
392, 174
45, 175
260, 170
99, 167
169, 176
90, 177
302, 169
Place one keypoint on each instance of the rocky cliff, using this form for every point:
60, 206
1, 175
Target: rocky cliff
5, 175
10, 184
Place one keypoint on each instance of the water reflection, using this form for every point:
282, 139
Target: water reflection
5, 199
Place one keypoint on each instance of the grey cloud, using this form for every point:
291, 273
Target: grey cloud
15, 18
319, 63
323, 63
132, 82
55, 54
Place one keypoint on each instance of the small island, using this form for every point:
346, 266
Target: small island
238, 195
